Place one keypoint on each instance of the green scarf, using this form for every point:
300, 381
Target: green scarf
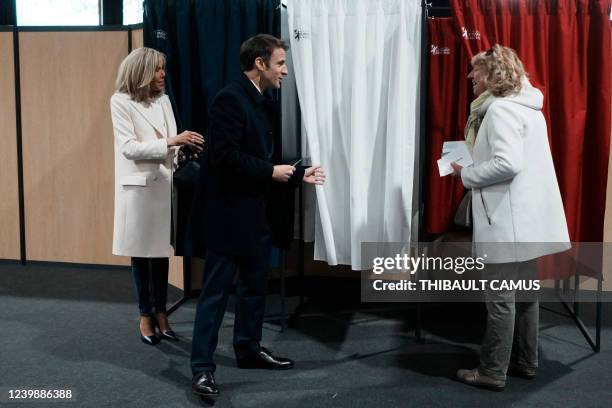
474, 120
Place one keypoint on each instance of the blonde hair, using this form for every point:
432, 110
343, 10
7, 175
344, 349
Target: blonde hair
137, 71
504, 70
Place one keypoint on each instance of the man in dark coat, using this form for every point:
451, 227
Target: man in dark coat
237, 177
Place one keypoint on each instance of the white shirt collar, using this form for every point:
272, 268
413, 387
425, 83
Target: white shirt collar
253, 82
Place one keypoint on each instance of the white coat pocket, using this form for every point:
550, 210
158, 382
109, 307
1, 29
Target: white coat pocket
133, 180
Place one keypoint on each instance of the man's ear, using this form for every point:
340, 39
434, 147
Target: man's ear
260, 64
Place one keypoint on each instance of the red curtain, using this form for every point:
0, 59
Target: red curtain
565, 46
447, 105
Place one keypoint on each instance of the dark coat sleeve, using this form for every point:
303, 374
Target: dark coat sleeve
226, 130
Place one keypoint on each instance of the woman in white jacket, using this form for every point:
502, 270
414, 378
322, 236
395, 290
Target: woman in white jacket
145, 144
517, 210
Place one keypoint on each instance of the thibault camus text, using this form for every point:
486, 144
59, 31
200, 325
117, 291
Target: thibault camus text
405, 263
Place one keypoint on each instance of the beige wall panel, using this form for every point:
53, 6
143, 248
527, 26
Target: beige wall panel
66, 81
9, 190
607, 283
137, 38
175, 275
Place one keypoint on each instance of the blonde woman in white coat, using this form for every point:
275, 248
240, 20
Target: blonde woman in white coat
517, 210
145, 144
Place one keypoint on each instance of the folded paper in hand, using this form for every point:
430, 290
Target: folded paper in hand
454, 152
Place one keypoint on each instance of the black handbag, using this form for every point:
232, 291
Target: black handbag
187, 174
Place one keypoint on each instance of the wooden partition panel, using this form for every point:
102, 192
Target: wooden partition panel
137, 38
9, 190
67, 79
175, 275
607, 265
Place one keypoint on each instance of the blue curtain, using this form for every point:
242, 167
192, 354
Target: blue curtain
201, 40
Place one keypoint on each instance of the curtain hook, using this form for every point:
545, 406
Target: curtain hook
428, 6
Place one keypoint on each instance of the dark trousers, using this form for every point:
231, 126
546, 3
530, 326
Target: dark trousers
150, 277
219, 272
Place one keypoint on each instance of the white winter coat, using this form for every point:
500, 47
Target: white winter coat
143, 177
515, 195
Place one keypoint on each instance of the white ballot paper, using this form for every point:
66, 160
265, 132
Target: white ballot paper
457, 152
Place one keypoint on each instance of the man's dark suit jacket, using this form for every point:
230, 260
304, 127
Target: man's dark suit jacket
237, 197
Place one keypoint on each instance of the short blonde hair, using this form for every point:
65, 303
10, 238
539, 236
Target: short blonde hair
136, 72
504, 70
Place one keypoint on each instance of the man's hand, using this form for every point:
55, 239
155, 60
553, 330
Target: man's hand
314, 175
456, 169
282, 173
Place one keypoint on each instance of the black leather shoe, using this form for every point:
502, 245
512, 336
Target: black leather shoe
164, 334
204, 385
261, 359
168, 335
149, 340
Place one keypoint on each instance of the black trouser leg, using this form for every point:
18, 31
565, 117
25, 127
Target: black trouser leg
219, 271
159, 275
251, 297
141, 276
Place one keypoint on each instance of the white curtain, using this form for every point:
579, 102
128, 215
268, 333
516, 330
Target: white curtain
357, 72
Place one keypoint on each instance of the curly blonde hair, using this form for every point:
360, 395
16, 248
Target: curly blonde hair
504, 70
136, 72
